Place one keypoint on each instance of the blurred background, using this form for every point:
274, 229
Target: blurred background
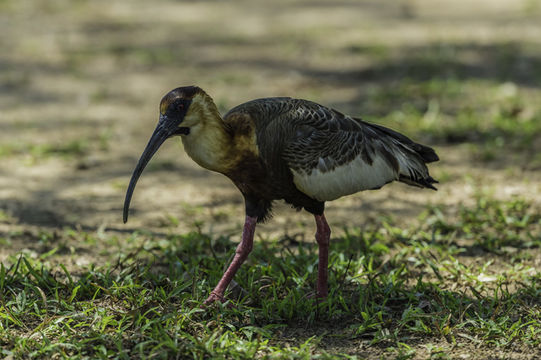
81, 80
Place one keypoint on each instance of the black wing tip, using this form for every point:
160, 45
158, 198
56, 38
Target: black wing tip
422, 183
427, 154
429, 181
433, 157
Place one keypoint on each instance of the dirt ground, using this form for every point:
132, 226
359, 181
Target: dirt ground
80, 84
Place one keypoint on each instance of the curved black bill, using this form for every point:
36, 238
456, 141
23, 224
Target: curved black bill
156, 140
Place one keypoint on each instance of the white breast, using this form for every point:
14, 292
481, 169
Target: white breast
346, 179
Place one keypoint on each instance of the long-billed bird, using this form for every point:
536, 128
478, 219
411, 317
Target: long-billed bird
283, 148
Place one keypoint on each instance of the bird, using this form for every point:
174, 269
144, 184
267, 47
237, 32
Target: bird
282, 148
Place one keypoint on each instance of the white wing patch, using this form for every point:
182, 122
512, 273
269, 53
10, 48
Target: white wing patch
349, 178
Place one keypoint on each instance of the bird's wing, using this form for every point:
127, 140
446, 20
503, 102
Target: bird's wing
331, 155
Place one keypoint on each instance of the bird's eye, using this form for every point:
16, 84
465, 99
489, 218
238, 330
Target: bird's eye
180, 106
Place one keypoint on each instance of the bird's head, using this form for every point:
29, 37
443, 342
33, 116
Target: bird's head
181, 109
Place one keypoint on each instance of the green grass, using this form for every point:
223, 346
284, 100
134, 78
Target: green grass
391, 287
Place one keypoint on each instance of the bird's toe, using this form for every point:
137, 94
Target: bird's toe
213, 297
316, 296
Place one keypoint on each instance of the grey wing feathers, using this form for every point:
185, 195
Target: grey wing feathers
365, 155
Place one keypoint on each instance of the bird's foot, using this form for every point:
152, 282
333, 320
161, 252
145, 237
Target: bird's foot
316, 295
213, 297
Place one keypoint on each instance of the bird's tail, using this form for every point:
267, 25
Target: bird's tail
412, 158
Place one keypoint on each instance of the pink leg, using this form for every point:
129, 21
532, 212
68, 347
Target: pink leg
243, 249
323, 234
